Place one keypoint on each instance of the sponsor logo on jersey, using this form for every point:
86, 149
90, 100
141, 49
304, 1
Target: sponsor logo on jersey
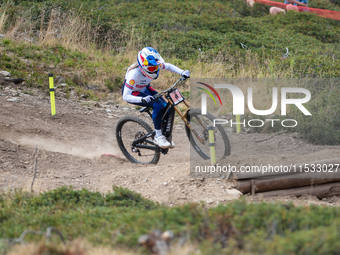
140, 86
132, 82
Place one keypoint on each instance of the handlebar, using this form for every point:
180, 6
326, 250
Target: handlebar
160, 94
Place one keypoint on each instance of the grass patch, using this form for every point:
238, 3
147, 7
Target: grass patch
117, 219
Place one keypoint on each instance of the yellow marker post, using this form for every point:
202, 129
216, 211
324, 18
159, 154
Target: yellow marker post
212, 145
50, 76
238, 125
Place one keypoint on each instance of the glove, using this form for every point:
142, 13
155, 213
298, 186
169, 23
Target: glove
147, 99
186, 74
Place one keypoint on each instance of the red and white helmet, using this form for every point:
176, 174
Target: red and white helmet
149, 62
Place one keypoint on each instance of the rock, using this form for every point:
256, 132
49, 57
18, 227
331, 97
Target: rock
108, 110
234, 192
59, 79
16, 81
14, 93
63, 84
209, 201
2, 35
5, 73
13, 99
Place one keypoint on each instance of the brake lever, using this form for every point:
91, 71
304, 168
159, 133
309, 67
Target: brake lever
184, 77
157, 96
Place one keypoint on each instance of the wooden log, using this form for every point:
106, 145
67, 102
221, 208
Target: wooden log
244, 186
287, 181
292, 169
320, 191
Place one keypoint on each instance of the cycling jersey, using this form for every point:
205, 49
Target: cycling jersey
135, 81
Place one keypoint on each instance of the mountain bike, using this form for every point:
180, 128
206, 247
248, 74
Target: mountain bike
135, 137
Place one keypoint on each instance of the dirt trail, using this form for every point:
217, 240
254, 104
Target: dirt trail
71, 142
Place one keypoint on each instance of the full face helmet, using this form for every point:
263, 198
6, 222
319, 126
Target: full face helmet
149, 62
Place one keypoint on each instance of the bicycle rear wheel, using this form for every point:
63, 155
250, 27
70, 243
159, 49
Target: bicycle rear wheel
128, 129
200, 123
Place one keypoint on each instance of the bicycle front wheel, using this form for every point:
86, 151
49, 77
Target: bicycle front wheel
129, 129
200, 123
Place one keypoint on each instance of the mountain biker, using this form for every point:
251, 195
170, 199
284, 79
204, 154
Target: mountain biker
138, 91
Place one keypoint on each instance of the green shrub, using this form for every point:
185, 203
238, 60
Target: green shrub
120, 217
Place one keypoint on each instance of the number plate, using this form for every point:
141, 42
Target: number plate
176, 97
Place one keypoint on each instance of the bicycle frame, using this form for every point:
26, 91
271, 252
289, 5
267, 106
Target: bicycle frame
167, 124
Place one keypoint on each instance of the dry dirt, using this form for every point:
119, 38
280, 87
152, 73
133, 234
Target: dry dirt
70, 145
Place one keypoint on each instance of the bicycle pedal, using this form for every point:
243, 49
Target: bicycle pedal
164, 151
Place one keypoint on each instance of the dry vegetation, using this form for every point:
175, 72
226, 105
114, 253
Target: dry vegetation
94, 58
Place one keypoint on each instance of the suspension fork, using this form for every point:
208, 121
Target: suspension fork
199, 119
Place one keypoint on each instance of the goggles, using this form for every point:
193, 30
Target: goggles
152, 68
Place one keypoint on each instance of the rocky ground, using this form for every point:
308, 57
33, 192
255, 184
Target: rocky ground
70, 144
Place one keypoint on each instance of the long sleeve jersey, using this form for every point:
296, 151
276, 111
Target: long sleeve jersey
136, 81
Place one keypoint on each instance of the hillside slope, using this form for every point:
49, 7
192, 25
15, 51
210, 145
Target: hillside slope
204, 31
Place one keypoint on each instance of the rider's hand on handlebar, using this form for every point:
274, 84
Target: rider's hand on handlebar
186, 74
147, 99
